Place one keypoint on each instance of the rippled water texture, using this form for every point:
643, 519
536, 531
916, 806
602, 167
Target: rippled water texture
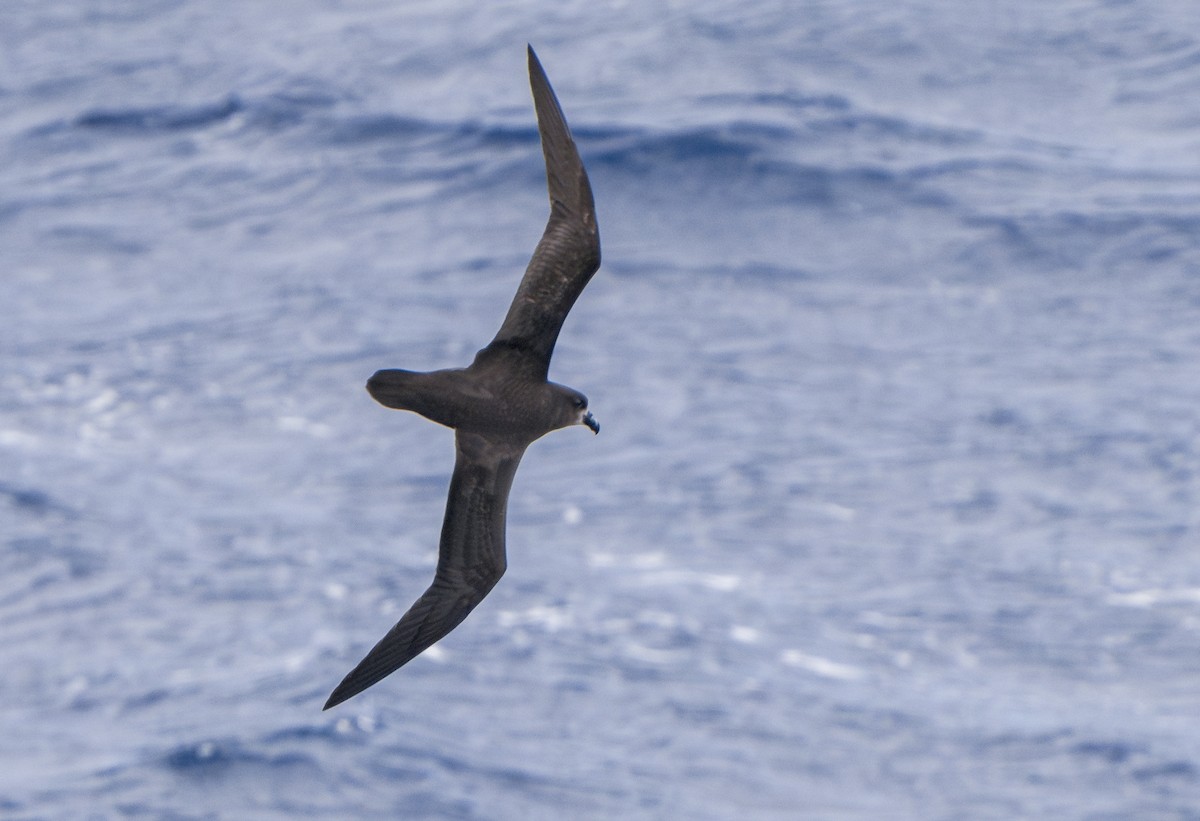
895, 509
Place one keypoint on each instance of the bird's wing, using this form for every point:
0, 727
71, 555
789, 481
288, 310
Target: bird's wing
569, 251
470, 560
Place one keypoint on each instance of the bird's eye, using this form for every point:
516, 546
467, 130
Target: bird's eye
580, 402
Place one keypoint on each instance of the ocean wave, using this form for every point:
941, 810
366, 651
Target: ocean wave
162, 118
779, 148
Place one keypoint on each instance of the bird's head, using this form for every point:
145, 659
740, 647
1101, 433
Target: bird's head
574, 409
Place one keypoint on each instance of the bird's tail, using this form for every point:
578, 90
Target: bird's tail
440, 396
395, 388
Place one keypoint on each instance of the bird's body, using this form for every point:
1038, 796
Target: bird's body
477, 400
497, 405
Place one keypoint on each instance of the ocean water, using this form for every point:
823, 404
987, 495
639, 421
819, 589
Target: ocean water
895, 512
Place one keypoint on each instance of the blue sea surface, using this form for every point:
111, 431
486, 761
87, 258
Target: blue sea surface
895, 513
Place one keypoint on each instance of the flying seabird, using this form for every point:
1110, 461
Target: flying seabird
498, 405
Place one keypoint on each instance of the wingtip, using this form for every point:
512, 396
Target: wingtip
346, 690
535, 65
334, 699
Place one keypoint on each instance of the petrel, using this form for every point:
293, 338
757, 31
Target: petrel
498, 405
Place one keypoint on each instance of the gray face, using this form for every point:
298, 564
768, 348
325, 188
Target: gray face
576, 409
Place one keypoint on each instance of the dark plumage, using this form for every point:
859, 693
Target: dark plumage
497, 405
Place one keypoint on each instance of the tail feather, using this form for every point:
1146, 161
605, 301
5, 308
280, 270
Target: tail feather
393, 388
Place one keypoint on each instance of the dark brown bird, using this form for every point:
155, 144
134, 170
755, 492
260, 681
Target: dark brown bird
497, 405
